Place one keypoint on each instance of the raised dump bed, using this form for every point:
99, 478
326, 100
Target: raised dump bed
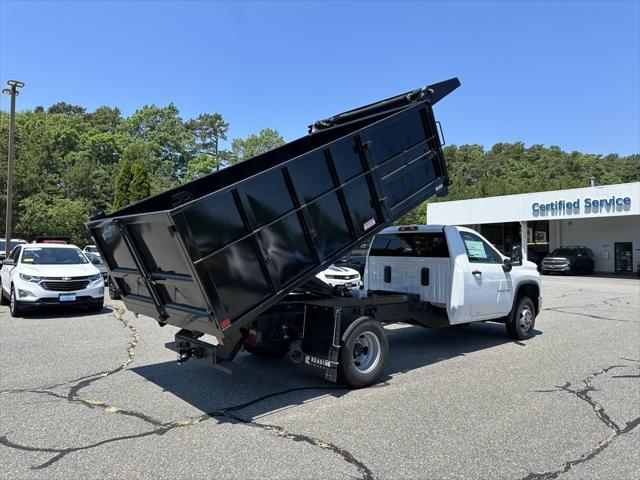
211, 255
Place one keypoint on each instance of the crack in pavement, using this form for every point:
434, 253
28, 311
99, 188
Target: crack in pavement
161, 428
584, 395
559, 309
222, 415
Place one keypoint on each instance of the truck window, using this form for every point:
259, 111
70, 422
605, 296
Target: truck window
410, 245
478, 250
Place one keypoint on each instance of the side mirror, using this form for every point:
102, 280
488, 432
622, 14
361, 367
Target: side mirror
507, 265
8, 262
95, 261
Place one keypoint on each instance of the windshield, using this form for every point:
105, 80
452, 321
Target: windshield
53, 256
93, 258
91, 249
428, 244
563, 252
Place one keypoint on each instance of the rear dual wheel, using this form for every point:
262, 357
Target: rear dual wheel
364, 352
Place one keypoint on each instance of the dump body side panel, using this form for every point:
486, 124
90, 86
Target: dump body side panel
215, 262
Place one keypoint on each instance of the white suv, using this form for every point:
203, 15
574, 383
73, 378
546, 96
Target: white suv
43, 275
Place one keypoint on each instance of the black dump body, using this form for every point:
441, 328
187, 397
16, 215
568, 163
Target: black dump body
211, 255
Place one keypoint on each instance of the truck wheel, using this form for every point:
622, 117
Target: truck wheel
520, 324
363, 353
14, 304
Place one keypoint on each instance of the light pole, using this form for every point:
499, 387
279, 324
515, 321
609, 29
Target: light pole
13, 91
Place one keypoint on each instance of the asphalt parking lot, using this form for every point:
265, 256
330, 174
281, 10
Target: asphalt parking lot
98, 396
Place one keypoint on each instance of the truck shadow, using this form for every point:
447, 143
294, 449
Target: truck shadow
61, 312
258, 387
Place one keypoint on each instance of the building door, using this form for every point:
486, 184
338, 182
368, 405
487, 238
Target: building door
623, 257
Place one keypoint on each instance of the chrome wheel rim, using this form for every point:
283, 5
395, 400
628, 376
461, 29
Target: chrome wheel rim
366, 352
526, 318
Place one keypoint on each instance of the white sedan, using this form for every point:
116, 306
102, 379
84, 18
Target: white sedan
44, 275
340, 276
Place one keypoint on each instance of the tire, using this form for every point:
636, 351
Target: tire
274, 350
113, 291
3, 300
364, 352
14, 305
522, 321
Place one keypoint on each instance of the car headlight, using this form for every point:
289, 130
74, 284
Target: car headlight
30, 278
96, 277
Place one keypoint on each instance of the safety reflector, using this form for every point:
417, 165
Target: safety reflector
225, 323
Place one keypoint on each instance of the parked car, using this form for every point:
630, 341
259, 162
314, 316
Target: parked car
340, 276
12, 245
91, 249
355, 259
99, 264
570, 259
44, 275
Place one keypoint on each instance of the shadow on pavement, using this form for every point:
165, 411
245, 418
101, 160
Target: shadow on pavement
59, 312
259, 386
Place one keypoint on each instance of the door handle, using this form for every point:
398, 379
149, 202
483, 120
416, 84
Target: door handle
476, 272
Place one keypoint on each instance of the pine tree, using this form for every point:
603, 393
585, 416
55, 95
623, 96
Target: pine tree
140, 187
123, 182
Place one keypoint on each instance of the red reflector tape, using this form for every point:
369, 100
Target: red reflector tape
225, 323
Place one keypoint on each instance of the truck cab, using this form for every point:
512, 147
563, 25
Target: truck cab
452, 268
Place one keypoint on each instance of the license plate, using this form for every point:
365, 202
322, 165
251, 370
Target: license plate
67, 297
348, 285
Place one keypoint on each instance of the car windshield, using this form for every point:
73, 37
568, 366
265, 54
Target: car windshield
53, 256
93, 258
561, 252
91, 249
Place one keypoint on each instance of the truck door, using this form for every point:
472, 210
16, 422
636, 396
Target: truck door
488, 285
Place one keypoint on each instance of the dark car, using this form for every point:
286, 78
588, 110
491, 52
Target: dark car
569, 260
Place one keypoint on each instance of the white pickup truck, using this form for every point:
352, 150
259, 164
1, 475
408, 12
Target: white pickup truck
457, 271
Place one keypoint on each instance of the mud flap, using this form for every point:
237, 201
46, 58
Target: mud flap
321, 342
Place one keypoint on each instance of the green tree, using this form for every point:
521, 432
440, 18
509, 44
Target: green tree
47, 215
168, 138
65, 108
253, 145
123, 181
139, 188
104, 119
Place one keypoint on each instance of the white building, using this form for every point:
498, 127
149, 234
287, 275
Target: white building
604, 218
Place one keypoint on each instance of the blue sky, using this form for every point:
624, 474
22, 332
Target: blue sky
554, 73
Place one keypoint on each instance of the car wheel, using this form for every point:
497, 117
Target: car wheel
3, 300
363, 353
523, 319
14, 304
